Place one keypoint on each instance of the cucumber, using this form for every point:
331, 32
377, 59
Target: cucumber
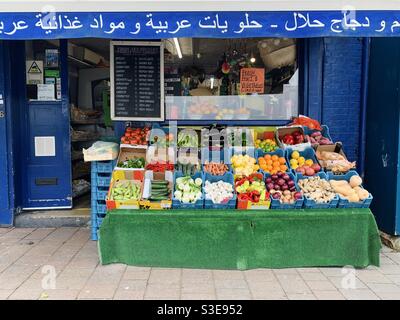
155, 194
159, 182
158, 198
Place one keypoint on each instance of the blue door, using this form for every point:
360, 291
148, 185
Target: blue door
46, 154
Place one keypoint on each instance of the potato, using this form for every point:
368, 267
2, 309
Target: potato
363, 194
355, 181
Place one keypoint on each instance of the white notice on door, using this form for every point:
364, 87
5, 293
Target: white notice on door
45, 146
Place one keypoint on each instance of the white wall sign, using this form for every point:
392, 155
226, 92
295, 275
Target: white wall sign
46, 92
45, 146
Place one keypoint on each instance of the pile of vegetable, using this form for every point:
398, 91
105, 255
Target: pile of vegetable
283, 188
317, 138
352, 190
125, 190
218, 192
136, 163
272, 164
335, 162
160, 190
135, 136
251, 188
162, 141
307, 167
188, 190
244, 165
215, 168
188, 165
267, 145
160, 166
293, 138
317, 189
238, 138
188, 139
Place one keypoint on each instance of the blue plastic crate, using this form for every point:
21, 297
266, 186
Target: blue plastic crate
101, 179
99, 219
325, 132
311, 204
176, 204
227, 177
99, 206
103, 166
99, 193
276, 204
344, 203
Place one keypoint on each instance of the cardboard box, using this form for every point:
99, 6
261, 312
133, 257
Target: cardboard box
156, 205
337, 148
282, 131
131, 152
131, 176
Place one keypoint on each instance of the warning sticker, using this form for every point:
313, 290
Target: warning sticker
34, 71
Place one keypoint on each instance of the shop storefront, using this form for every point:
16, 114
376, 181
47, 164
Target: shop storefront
220, 85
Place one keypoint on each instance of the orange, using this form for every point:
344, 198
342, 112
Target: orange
274, 157
269, 162
276, 164
267, 157
283, 167
262, 161
282, 160
269, 168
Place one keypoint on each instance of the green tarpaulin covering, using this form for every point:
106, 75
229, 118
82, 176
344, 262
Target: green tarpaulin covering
233, 239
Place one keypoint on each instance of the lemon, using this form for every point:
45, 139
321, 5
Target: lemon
296, 155
301, 160
293, 162
309, 162
294, 166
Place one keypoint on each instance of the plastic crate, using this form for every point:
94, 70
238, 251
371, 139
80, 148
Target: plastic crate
99, 193
344, 203
99, 219
227, 177
176, 204
276, 204
311, 204
103, 166
100, 179
307, 153
99, 206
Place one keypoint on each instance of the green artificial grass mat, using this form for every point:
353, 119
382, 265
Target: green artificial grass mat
236, 239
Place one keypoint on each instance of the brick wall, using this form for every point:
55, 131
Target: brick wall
341, 91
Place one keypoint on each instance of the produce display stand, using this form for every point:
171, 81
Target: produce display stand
235, 239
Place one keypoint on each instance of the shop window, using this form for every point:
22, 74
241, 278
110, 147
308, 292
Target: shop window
43, 74
231, 79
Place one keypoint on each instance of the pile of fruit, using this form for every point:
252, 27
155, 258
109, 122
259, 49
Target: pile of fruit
160, 190
272, 164
125, 190
135, 136
160, 166
352, 190
307, 167
215, 168
283, 188
136, 163
293, 138
317, 189
267, 145
251, 188
188, 190
244, 165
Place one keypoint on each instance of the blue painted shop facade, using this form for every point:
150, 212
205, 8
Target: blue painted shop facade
333, 88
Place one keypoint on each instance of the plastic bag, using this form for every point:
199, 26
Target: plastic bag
101, 151
307, 122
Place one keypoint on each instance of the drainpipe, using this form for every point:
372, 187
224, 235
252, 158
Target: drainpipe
364, 97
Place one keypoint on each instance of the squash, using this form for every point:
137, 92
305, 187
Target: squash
353, 197
355, 181
363, 194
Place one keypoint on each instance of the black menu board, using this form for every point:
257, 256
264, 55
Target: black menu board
137, 81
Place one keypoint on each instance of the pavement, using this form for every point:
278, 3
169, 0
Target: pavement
62, 263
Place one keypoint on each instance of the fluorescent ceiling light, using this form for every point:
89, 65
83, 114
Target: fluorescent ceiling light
178, 48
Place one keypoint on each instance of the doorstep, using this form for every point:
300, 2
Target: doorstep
53, 218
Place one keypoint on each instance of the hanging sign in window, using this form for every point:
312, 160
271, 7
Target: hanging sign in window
252, 80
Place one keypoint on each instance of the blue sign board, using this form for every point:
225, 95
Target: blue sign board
158, 25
